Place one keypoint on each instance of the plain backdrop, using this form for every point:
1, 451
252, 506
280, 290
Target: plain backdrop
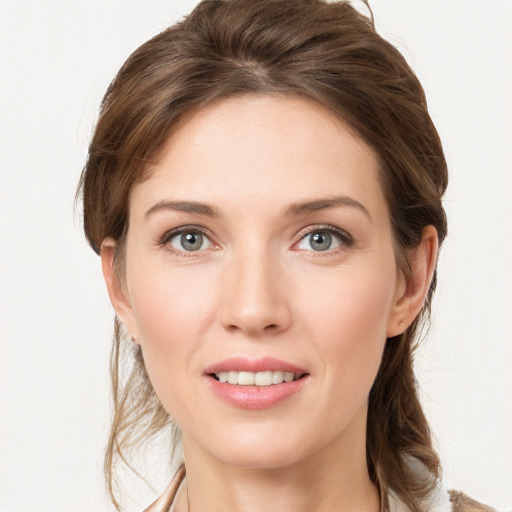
56, 60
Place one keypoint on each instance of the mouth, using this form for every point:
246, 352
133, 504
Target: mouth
255, 384
259, 379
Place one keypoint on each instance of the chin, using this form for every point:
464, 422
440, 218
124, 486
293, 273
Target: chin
257, 458
262, 446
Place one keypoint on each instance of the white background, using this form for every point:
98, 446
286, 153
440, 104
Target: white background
56, 60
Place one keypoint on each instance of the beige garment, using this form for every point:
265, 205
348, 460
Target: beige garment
442, 501
165, 501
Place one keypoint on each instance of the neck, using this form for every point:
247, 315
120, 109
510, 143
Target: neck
333, 479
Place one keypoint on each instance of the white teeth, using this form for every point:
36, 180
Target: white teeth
246, 379
277, 377
263, 379
256, 379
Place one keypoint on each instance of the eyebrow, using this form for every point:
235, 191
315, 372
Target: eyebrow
184, 206
294, 210
315, 205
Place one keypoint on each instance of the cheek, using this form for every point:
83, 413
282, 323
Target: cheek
339, 325
348, 321
172, 312
358, 298
171, 305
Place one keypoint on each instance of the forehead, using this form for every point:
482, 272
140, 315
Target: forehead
262, 148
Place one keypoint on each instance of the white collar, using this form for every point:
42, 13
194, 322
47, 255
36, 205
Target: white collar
437, 501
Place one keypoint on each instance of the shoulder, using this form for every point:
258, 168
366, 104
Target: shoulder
463, 503
165, 501
441, 497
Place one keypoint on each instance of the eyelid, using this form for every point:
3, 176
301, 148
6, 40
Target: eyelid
347, 240
166, 238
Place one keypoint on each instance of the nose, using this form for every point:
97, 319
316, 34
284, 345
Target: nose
255, 300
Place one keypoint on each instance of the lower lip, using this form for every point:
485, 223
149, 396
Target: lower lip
256, 397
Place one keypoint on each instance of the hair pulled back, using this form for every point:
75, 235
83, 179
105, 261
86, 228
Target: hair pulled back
325, 52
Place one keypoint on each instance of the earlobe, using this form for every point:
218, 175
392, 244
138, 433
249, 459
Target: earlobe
116, 289
414, 287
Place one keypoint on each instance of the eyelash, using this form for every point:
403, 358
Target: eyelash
169, 235
346, 239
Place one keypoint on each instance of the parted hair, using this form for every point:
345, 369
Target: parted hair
331, 54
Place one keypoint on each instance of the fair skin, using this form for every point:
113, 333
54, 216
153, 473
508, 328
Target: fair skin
284, 251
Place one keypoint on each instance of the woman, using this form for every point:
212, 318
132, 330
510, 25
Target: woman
264, 188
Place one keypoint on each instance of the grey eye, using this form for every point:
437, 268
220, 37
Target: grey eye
190, 241
319, 241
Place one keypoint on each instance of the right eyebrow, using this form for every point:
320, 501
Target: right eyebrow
184, 206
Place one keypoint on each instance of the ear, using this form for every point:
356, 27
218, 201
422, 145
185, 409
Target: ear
117, 289
412, 289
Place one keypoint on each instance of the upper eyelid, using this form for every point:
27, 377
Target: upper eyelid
346, 240
169, 234
188, 227
324, 227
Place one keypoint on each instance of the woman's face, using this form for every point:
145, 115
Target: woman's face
260, 250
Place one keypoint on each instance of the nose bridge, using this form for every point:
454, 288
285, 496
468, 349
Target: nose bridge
254, 290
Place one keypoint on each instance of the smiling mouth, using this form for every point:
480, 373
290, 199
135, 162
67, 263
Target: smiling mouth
263, 379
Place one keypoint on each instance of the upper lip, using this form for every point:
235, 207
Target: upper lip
243, 364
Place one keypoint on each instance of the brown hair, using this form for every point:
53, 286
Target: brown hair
325, 52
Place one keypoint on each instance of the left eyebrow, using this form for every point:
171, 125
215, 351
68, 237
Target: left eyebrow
315, 205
